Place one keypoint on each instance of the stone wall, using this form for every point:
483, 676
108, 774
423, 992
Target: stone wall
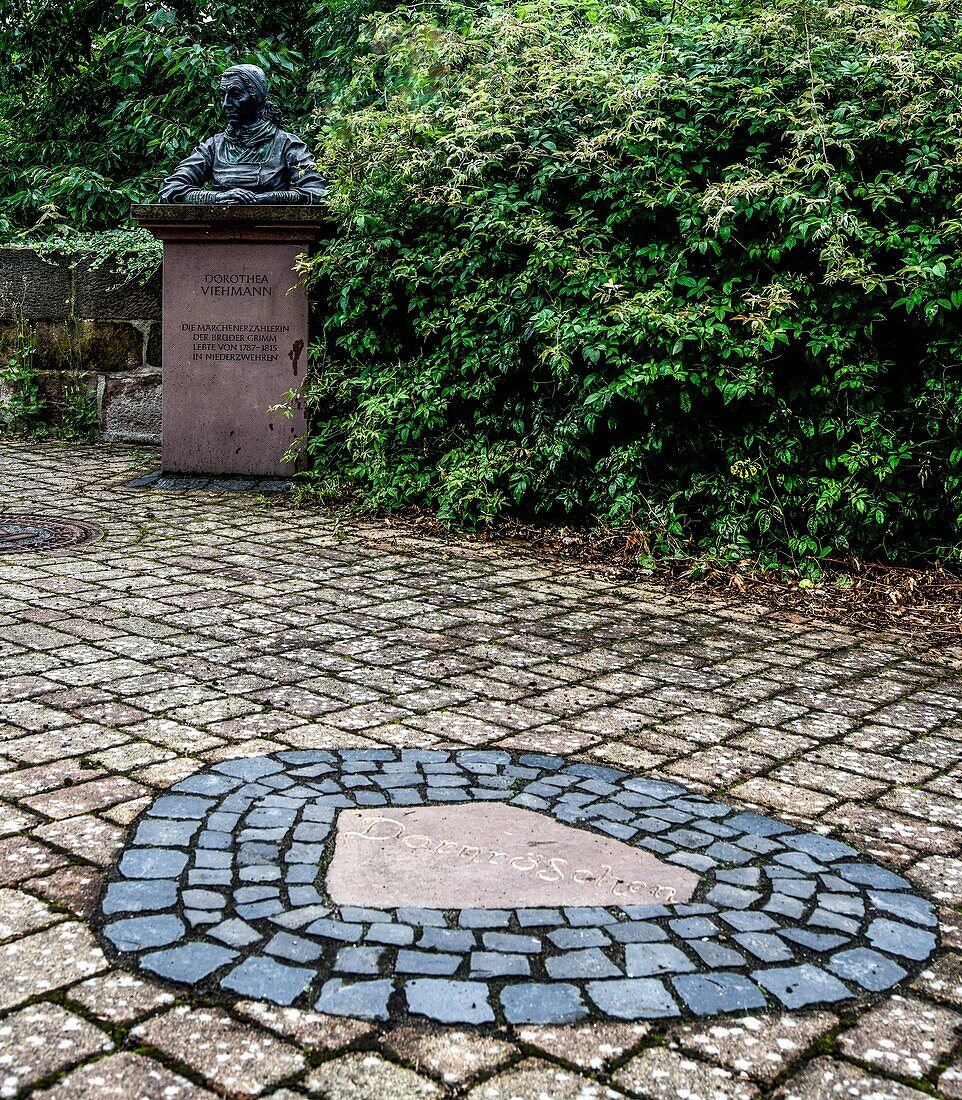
87, 325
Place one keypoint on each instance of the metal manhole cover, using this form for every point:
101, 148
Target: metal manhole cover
42, 534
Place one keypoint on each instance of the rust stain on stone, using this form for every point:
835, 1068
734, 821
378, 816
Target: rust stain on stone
295, 353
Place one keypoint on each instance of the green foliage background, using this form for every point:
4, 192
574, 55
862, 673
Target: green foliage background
686, 268
693, 270
101, 97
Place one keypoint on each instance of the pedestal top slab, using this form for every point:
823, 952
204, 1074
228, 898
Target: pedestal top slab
489, 856
216, 213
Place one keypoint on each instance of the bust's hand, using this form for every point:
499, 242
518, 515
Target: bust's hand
238, 196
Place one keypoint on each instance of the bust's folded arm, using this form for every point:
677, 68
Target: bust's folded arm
186, 182
306, 181
279, 198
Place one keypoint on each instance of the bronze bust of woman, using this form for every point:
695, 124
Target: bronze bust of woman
253, 160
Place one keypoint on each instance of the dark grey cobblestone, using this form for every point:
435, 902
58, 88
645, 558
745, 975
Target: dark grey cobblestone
729, 949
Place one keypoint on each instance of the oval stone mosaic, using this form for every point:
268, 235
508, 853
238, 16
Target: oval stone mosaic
483, 886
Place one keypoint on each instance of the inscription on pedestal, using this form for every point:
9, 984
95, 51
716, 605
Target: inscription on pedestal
227, 343
490, 856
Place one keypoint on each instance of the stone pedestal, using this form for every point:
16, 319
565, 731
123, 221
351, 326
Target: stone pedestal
235, 333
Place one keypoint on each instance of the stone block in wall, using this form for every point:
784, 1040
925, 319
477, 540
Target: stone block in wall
52, 344
108, 346
130, 407
32, 287
59, 390
57, 385
154, 343
105, 293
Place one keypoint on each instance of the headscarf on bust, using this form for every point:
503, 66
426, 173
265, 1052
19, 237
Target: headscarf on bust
251, 142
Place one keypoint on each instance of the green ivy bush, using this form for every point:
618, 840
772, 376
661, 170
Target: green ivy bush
692, 271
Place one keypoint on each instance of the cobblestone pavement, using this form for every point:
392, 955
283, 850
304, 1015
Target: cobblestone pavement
205, 627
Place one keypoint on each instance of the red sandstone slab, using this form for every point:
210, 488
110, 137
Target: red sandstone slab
490, 856
235, 334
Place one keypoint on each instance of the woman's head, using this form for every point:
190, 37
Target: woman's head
243, 96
